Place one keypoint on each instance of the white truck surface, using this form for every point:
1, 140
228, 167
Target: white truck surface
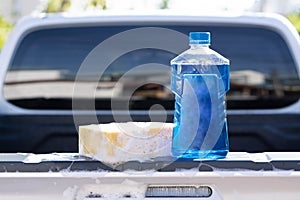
61, 71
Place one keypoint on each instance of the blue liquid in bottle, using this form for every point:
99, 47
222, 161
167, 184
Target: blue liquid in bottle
200, 80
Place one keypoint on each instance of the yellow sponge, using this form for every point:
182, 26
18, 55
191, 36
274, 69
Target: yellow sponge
120, 142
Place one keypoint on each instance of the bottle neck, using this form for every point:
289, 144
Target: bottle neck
199, 46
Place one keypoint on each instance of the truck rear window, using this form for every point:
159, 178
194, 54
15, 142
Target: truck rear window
42, 72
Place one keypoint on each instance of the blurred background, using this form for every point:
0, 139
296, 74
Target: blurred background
13, 10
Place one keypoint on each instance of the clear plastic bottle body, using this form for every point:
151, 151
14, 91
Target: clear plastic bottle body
200, 80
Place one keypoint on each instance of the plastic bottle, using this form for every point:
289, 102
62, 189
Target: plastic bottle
200, 80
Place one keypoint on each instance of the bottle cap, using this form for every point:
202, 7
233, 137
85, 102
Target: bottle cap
199, 37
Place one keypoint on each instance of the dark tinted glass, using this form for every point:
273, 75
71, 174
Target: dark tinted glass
42, 72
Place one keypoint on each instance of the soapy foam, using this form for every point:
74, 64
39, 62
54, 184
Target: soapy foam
127, 189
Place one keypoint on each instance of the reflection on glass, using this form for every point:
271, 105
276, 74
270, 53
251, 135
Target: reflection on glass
43, 70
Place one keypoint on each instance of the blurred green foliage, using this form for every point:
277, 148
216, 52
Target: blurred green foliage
98, 4
5, 29
295, 19
164, 4
54, 6
57, 6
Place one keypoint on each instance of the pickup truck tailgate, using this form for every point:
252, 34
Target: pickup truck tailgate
70, 176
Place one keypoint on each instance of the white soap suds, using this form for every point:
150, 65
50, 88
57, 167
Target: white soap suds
70, 193
127, 189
